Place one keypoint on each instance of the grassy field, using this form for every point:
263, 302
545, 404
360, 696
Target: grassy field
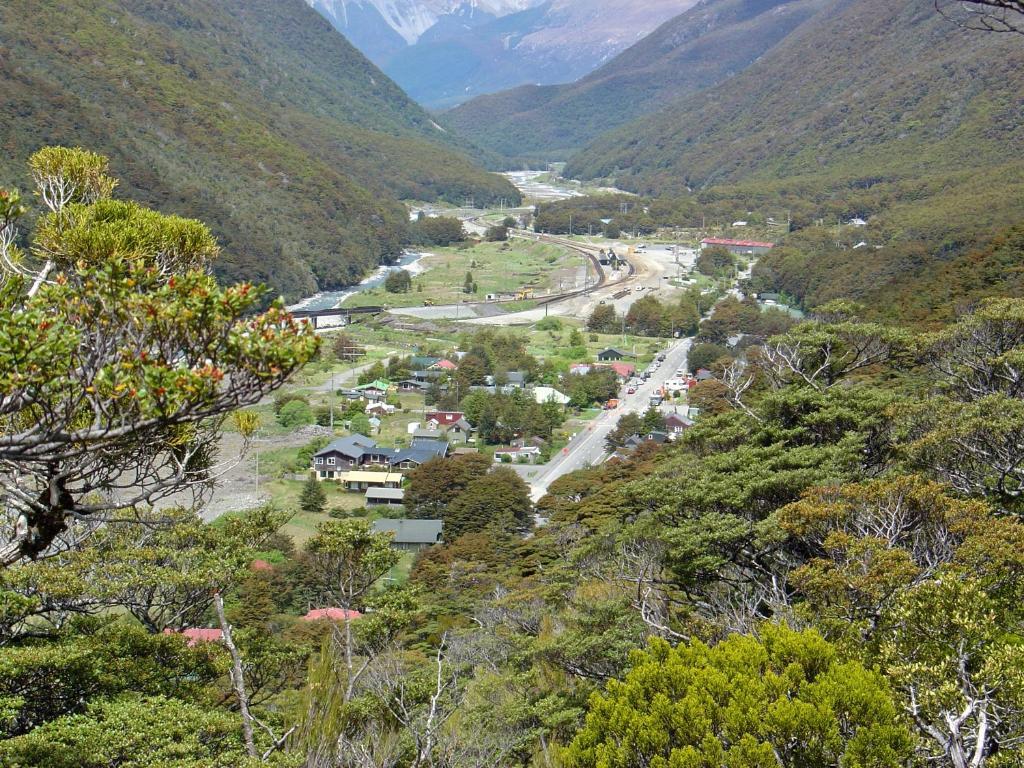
496, 268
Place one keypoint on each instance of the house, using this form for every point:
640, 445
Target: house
444, 365
528, 453
375, 390
580, 369
459, 432
676, 424
549, 395
361, 481
419, 453
440, 419
385, 497
347, 452
607, 355
410, 535
426, 434
515, 379
331, 614
411, 385
379, 409
423, 362
703, 374
742, 247
374, 423
624, 371
195, 635
656, 437
427, 376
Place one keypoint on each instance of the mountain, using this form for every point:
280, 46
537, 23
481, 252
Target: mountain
252, 115
888, 112
443, 52
867, 86
692, 51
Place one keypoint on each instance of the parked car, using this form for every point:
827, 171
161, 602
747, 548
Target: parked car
631, 390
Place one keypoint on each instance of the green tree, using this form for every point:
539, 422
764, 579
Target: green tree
499, 499
706, 355
359, 424
438, 230
313, 499
785, 699
135, 732
296, 413
398, 281
435, 483
715, 262
467, 284
498, 234
346, 348
122, 355
603, 319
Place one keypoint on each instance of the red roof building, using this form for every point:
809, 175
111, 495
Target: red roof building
445, 418
196, 635
331, 614
445, 365
622, 370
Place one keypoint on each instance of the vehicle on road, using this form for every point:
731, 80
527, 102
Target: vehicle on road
611, 405
655, 401
631, 390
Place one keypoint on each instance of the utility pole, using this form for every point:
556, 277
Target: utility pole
334, 393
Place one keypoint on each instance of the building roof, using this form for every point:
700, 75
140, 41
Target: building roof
613, 351
418, 454
736, 243
623, 369
371, 477
518, 449
411, 531
353, 446
444, 418
380, 384
515, 377
549, 395
427, 434
445, 365
331, 614
677, 419
385, 494
422, 361
195, 635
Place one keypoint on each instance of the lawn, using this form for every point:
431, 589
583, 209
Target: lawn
496, 268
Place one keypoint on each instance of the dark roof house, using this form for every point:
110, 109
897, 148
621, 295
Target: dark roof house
410, 534
606, 355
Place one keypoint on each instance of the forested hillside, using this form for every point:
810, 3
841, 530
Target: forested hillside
254, 116
887, 112
697, 49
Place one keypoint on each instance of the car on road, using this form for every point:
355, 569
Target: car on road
655, 401
631, 390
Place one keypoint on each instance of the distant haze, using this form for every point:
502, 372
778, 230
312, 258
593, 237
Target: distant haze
443, 52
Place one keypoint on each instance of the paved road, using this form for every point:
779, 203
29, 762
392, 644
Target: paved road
588, 447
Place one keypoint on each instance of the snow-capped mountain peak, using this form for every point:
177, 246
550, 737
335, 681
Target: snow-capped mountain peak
411, 18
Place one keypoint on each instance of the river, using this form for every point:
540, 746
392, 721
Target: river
411, 261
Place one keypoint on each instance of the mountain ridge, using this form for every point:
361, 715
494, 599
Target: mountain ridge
692, 51
451, 50
211, 110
